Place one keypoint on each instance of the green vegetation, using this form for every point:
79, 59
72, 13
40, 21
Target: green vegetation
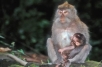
15, 65
32, 65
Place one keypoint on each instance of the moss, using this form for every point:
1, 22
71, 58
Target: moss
82, 66
15, 65
93, 64
33, 65
86, 64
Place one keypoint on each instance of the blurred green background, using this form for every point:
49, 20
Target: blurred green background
26, 24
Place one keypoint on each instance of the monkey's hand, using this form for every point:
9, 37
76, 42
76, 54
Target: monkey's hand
58, 65
66, 49
61, 51
63, 54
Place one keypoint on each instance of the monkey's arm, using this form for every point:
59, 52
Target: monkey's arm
82, 55
66, 49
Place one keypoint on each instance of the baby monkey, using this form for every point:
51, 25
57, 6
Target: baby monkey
77, 40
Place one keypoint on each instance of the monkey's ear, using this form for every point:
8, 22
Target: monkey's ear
74, 11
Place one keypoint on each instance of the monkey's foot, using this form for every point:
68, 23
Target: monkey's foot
58, 65
67, 64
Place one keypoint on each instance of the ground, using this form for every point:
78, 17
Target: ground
39, 60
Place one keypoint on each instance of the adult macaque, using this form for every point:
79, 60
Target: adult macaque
65, 24
77, 41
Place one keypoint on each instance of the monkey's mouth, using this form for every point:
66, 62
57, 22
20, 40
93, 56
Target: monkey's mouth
62, 20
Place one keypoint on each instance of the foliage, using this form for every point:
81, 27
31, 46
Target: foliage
25, 26
27, 23
16, 65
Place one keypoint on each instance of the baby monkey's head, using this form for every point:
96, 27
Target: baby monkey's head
78, 39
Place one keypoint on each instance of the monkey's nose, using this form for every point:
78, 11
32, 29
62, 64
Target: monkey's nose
62, 15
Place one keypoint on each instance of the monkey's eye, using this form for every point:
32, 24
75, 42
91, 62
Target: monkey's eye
65, 12
60, 12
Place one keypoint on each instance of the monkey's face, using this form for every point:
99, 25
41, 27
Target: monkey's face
78, 39
64, 15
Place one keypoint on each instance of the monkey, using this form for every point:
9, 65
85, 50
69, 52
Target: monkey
77, 40
65, 24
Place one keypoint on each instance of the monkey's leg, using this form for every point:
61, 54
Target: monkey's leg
86, 54
53, 53
82, 55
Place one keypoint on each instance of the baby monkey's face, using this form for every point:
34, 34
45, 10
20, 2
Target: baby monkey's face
78, 39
